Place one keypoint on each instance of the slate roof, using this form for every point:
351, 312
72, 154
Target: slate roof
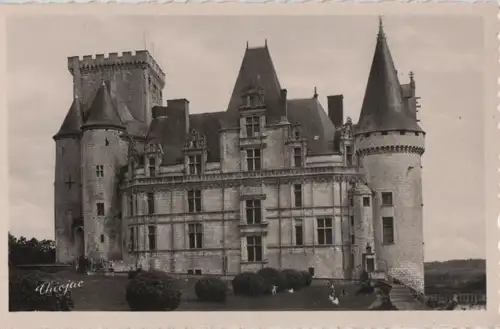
256, 66
103, 111
315, 125
72, 122
383, 107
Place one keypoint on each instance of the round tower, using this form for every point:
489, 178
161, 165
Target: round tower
67, 188
390, 144
103, 156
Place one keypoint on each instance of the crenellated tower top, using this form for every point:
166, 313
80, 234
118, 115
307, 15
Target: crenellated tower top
128, 59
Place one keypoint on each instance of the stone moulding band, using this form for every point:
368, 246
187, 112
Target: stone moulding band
267, 176
390, 149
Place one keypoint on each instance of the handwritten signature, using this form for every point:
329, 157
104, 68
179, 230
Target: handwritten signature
52, 286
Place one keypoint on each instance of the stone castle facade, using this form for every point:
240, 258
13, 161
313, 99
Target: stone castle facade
270, 181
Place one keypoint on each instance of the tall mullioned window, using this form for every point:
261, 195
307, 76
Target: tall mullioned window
151, 203
99, 171
195, 235
131, 244
366, 201
152, 237
299, 232
253, 211
325, 231
297, 157
194, 164
194, 201
100, 208
348, 155
252, 125
130, 205
388, 230
253, 159
297, 193
254, 248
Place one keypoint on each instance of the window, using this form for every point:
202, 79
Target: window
299, 232
194, 200
253, 159
131, 205
384, 133
388, 230
325, 231
152, 167
351, 202
254, 248
366, 201
195, 232
102, 238
100, 209
297, 157
197, 272
387, 198
353, 239
151, 203
352, 221
194, 164
152, 237
253, 211
131, 239
252, 125
99, 171
190, 272
297, 192
348, 155
296, 134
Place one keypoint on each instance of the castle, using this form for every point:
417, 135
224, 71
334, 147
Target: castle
270, 181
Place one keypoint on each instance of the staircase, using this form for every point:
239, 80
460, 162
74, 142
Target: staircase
403, 298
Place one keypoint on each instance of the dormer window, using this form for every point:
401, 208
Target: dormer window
194, 164
348, 155
296, 134
297, 157
152, 167
252, 125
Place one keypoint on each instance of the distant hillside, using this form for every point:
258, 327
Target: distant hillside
456, 264
463, 275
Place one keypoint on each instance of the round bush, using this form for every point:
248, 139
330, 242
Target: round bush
211, 290
249, 284
273, 277
307, 278
133, 273
34, 291
153, 291
295, 280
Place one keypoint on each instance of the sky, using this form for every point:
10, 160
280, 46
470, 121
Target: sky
201, 56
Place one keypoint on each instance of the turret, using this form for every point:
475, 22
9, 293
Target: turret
104, 154
389, 145
67, 187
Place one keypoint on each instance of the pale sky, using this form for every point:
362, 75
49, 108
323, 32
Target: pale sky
201, 58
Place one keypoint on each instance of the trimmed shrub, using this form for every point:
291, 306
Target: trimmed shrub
295, 280
307, 278
249, 284
273, 277
35, 291
211, 290
153, 291
133, 273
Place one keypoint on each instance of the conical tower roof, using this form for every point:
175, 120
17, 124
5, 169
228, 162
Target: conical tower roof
103, 111
383, 108
73, 121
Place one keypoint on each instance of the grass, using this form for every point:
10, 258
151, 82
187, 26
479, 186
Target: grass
107, 293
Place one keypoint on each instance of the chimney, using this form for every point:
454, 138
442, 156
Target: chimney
336, 109
284, 100
159, 111
180, 107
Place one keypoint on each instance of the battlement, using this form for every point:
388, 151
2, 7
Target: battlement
98, 62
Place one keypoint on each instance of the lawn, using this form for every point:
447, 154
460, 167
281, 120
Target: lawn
107, 293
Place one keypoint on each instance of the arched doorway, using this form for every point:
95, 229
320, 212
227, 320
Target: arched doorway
79, 242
